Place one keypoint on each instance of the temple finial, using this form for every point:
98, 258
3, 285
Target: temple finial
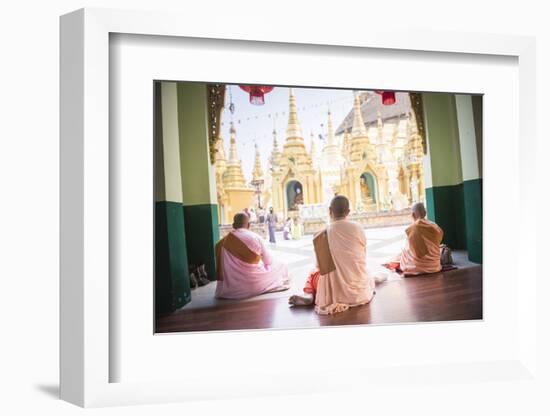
358, 129
293, 129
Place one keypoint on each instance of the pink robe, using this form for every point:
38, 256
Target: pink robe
421, 253
243, 280
350, 284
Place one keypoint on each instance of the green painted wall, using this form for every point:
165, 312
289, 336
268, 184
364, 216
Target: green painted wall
453, 183
477, 106
202, 231
474, 198
170, 141
446, 208
197, 174
443, 140
172, 289
470, 134
172, 285
473, 209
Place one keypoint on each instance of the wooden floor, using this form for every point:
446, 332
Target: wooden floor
453, 295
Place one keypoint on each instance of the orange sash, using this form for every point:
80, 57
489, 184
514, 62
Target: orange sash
322, 252
418, 232
237, 248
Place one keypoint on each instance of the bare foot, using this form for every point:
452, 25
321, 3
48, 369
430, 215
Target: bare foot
301, 300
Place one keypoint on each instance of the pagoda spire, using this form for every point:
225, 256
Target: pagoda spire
313, 152
233, 145
346, 143
220, 154
330, 133
293, 130
358, 129
275, 152
380, 125
313, 146
275, 144
257, 173
233, 177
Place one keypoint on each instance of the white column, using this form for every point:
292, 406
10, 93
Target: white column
467, 137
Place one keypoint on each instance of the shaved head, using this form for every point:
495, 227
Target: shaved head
418, 211
240, 220
339, 207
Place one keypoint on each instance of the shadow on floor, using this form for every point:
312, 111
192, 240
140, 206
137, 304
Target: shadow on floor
51, 390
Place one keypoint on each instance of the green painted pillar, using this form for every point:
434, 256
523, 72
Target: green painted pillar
469, 120
198, 179
443, 168
172, 288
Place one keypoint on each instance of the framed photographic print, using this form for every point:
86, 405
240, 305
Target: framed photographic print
234, 207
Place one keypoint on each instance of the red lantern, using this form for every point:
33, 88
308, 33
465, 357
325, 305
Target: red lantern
256, 93
388, 97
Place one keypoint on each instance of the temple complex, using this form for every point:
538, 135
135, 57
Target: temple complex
374, 158
382, 168
295, 179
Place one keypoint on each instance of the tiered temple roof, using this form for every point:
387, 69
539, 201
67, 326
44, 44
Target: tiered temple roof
257, 172
370, 105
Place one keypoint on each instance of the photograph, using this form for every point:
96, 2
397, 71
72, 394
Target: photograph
285, 207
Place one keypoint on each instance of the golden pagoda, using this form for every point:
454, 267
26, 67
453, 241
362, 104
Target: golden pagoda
295, 180
331, 163
275, 157
257, 172
234, 194
364, 178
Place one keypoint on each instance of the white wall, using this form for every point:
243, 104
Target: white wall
29, 185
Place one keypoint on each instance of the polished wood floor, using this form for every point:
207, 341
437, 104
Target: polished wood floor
453, 295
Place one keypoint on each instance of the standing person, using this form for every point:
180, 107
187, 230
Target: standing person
271, 224
340, 280
246, 212
286, 229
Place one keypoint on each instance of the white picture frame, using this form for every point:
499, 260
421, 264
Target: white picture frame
86, 262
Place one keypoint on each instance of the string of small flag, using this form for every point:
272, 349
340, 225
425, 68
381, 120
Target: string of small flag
274, 114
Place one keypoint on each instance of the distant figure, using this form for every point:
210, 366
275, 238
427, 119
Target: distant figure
341, 280
421, 253
244, 266
296, 229
286, 228
252, 216
246, 212
261, 215
271, 224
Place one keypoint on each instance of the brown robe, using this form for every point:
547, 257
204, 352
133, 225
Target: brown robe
237, 248
323, 254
